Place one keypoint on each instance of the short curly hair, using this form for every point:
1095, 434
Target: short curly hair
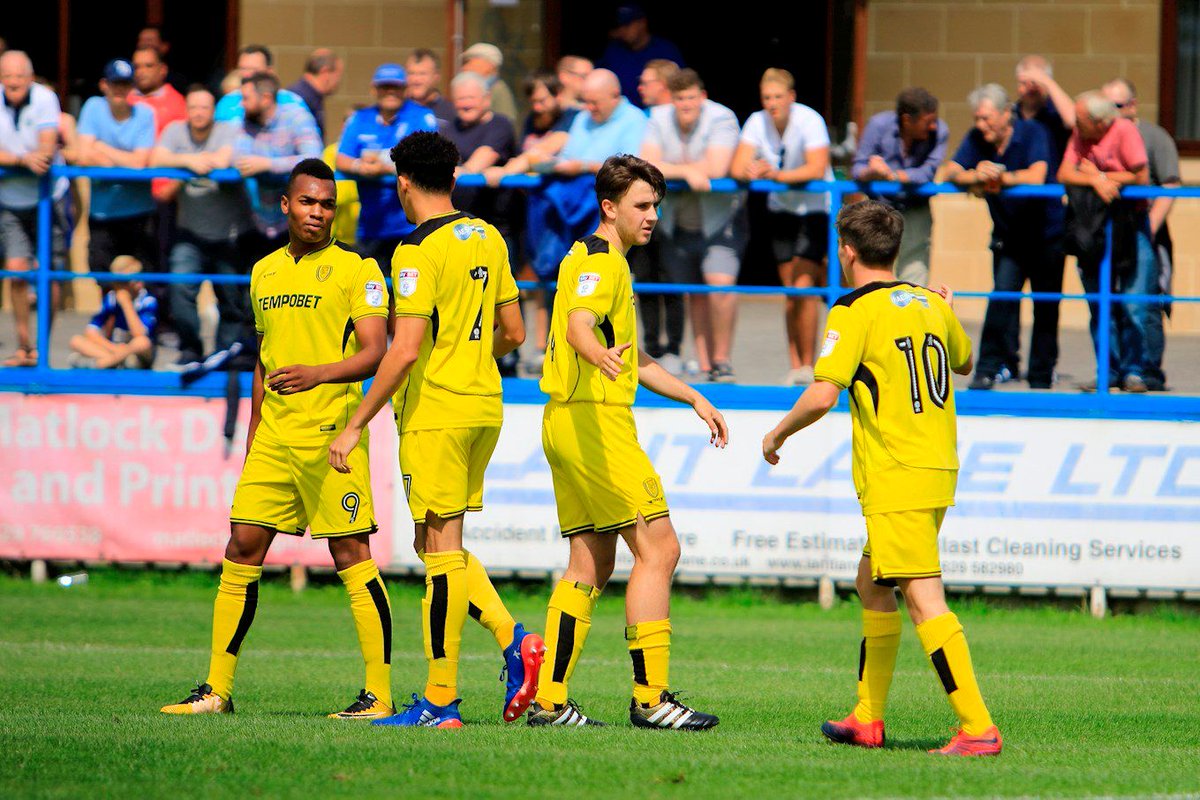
873, 229
428, 160
619, 172
313, 168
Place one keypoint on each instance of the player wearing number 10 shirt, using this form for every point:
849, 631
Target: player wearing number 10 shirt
893, 346
456, 312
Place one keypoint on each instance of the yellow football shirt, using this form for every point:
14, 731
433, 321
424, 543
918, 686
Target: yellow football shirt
454, 271
593, 276
305, 309
894, 345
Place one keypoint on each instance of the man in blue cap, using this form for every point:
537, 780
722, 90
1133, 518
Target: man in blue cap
115, 133
632, 47
363, 152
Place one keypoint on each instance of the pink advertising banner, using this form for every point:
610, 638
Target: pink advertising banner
141, 479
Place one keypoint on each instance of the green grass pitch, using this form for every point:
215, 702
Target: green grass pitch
1087, 707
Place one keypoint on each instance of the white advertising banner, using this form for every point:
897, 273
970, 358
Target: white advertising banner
1041, 502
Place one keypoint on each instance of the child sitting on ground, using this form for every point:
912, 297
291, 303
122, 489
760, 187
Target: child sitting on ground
122, 330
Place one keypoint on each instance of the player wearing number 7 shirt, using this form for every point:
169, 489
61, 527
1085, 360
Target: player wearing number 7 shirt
456, 312
893, 345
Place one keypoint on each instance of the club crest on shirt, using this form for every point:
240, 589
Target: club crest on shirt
324, 271
651, 487
831, 340
463, 231
902, 297
588, 281
408, 282
374, 294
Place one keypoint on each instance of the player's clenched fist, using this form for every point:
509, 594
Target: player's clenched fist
612, 363
770, 448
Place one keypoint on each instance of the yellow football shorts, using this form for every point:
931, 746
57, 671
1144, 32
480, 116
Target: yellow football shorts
443, 470
290, 488
903, 544
603, 480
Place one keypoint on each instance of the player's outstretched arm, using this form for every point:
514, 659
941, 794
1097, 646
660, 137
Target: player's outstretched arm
652, 376
582, 339
393, 369
372, 336
812, 405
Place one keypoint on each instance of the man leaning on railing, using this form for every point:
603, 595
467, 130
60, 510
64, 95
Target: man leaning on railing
1154, 251
212, 227
1001, 151
29, 129
1104, 155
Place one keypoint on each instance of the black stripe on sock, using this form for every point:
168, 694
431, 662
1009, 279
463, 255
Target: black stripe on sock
243, 626
862, 658
379, 595
566, 646
437, 616
475, 611
639, 667
938, 657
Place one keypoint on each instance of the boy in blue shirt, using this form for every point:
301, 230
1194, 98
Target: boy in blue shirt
123, 327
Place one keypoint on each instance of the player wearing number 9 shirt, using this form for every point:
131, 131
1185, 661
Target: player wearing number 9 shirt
456, 312
321, 315
893, 345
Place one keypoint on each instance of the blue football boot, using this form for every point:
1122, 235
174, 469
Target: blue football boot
421, 713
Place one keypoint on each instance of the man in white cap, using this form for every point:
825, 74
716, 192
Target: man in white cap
486, 59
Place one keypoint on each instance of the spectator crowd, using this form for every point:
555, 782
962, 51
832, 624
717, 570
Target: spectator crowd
639, 98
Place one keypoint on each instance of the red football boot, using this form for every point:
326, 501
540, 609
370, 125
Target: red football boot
987, 743
851, 731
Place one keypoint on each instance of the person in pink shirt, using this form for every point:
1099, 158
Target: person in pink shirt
151, 87
1105, 154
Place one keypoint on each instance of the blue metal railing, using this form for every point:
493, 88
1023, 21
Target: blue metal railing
44, 376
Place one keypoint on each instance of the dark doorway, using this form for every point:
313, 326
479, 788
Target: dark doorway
730, 46
99, 32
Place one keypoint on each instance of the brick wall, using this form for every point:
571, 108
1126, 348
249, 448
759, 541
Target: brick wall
952, 47
365, 33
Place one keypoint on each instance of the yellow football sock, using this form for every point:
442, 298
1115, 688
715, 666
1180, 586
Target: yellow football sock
650, 651
876, 662
568, 620
485, 606
373, 619
944, 643
444, 610
233, 611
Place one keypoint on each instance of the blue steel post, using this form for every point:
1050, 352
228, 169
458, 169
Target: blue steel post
1104, 325
44, 255
834, 267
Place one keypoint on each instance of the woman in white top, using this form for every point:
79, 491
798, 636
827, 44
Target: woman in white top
788, 142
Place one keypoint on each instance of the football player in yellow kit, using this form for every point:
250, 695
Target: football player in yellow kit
321, 315
604, 484
456, 313
893, 345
